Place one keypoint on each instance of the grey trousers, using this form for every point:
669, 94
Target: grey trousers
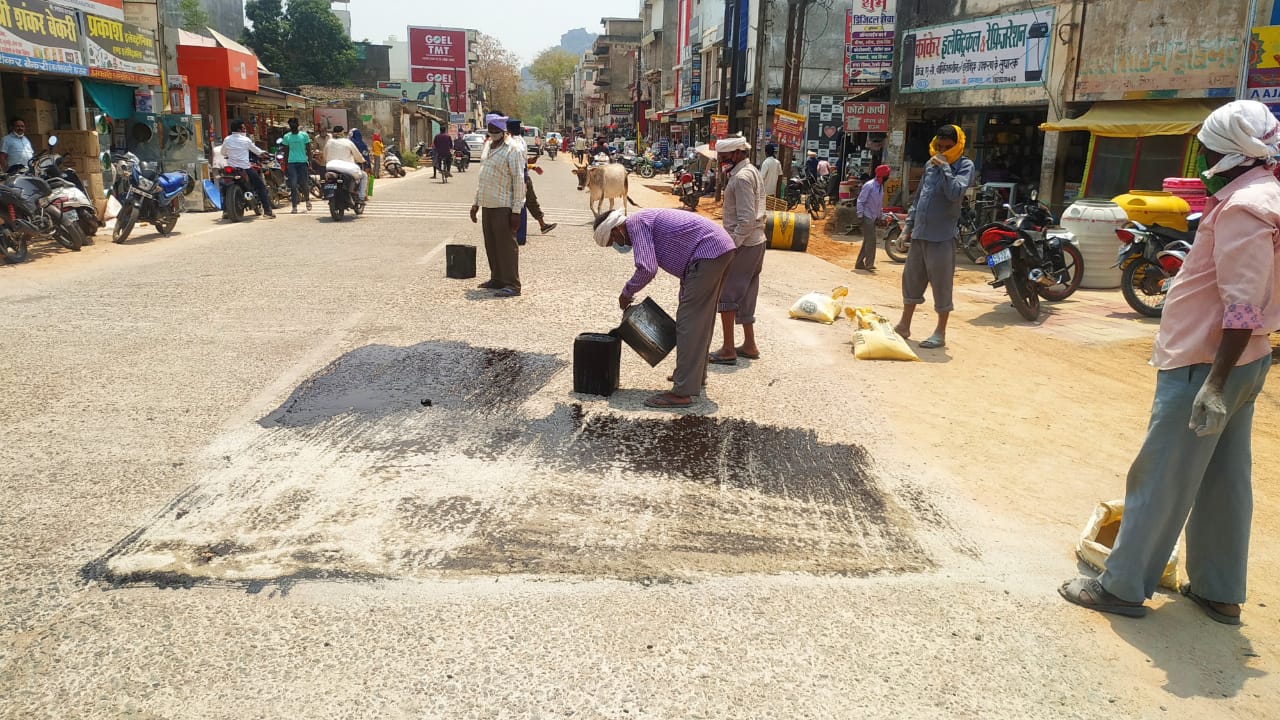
867, 255
742, 283
500, 247
930, 263
700, 290
1177, 474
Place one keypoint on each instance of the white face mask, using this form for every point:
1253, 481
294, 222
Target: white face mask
494, 134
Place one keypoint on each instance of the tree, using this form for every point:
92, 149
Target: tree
497, 73
534, 107
194, 18
552, 67
304, 42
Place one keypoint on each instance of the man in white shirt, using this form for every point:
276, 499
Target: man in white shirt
744, 212
237, 148
16, 149
771, 170
342, 155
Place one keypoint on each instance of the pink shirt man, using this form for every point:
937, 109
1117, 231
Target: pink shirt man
1230, 278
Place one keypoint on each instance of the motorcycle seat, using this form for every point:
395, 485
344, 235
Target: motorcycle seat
172, 182
1172, 234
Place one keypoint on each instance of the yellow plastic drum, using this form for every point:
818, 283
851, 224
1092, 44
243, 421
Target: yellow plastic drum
787, 231
1149, 207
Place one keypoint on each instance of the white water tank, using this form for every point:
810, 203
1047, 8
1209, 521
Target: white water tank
1094, 224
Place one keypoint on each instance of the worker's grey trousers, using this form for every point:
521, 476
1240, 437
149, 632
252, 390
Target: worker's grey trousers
700, 290
1177, 474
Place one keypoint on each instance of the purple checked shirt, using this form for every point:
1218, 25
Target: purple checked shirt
672, 240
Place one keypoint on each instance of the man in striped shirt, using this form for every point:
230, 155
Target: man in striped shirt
500, 193
697, 251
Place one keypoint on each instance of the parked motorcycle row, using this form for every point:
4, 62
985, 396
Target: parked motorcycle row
44, 201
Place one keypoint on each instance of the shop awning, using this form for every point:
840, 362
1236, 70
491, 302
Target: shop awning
1138, 118
114, 100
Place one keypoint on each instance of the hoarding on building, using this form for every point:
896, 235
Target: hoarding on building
999, 51
866, 117
868, 43
35, 36
120, 51
438, 56
113, 9
788, 129
1264, 67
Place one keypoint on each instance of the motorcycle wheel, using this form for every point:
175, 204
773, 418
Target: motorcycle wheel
792, 201
89, 226
1023, 294
646, 171
68, 235
13, 246
817, 209
1142, 285
124, 224
235, 205
164, 225
969, 243
691, 201
893, 245
336, 212
358, 209
1070, 275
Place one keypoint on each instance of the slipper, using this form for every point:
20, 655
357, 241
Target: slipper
548, 228
718, 359
747, 355
1089, 593
932, 342
508, 292
667, 400
1207, 606
488, 285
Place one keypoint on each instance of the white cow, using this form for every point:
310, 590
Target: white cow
607, 182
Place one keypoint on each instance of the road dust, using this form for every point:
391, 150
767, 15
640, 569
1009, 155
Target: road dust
424, 461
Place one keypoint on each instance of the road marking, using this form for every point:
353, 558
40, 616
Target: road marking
459, 211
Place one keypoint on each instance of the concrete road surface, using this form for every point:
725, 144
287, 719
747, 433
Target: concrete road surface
286, 468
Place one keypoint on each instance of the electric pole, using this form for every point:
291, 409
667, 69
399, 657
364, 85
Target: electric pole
796, 12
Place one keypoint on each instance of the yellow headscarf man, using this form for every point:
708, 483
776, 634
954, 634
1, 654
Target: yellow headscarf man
953, 153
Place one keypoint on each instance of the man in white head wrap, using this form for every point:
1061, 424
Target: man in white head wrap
1212, 354
692, 248
744, 209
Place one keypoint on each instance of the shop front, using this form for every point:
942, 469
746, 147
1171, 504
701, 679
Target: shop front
213, 72
41, 62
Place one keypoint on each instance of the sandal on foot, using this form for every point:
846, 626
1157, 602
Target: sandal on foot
716, 358
932, 342
1208, 607
548, 228
507, 292
668, 400
488, 285
747, 355
1089, 593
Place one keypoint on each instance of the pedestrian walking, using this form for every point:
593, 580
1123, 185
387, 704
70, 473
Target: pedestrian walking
771, 170
931, 223
697, 251
1212, 355
500, 195
532, 207
298, 167
743, 213
870, 205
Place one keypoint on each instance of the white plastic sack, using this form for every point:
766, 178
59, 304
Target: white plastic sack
1099, 536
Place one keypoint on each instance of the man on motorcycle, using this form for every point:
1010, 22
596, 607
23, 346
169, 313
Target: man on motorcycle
342, 155
442, 147
460, 149
932, 222
1212, 354
237, 147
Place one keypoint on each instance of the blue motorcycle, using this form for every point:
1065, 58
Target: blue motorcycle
148, 195
648, 167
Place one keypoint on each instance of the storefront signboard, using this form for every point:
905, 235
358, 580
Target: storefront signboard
120, 51
999, 51
621, 110
1264, 67
868, 43
788, 128
113, 9
439, 56
695, 79
35, 36
866, 117
719, 126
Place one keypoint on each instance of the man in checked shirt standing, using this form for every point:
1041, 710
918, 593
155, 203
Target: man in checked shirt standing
500, 194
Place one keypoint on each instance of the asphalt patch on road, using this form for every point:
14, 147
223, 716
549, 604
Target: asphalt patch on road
427, 461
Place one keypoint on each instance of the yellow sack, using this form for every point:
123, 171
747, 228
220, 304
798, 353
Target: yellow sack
1100, 535
819, 307
875, 339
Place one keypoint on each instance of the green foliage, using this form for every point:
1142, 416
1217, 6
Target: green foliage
194, 18
409, 159
303, 41
552, 67
534, 107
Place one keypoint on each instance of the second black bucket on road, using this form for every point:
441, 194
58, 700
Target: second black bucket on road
460, 261
596, 358
649, 330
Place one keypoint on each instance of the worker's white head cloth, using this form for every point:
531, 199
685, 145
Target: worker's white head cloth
1244, 131
604, 229
730, 144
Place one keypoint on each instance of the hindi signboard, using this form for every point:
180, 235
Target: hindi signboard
35, 36
719, 126
788, 128
1264, 67
872, 117
1000, 51
120, 51
868, 43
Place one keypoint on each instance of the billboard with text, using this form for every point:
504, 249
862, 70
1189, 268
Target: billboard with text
438, 56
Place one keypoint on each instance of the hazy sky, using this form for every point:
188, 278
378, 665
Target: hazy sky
525, 27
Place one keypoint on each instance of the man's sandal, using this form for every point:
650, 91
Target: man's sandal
666, 401
1208, 607
1089, 593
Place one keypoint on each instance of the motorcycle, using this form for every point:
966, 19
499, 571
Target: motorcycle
647, 166
273, 176
1150, 257
1030, 260
391, 164
29, 213
339, 189
967, 235
461, 159
687, 190
812, 190
894, 244
237, 194
148, 195
69, 194
552, 149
